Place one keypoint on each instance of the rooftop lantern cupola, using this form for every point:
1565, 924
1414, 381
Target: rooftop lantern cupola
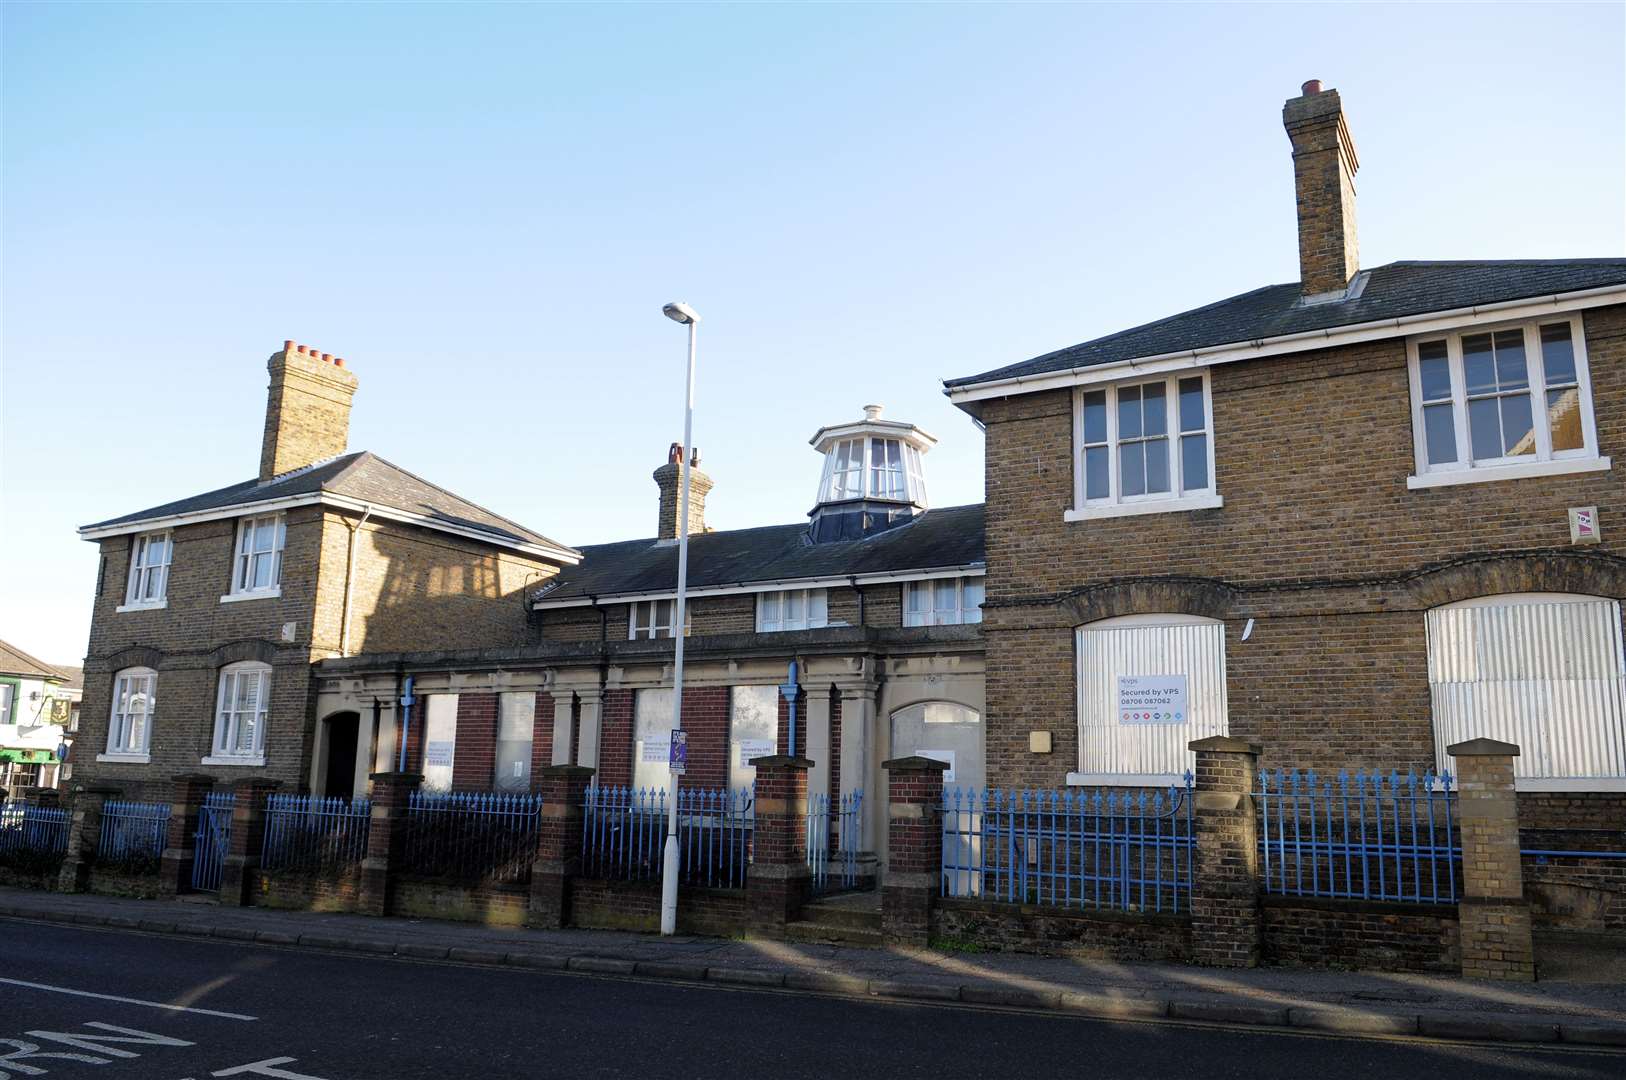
872, 478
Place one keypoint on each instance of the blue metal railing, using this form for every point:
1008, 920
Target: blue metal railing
624, 834
33, 839
312, 834
1121, 850
1360, 837
133, 834
212, 840
832, 853
472, 835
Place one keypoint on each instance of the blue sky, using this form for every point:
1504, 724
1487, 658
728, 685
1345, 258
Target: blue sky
483, 208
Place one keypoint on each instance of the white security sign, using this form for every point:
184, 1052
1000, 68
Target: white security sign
751, 749
1152, 699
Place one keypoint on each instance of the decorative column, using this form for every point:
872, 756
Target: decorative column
247, 841
1226, 927
385, 833
592, 711
187, 792
84, 837
778, 881
1494, 917
817, 740
564, 702
558, 844
914, 847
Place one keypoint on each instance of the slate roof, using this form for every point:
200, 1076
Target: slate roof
362, 475
950, 536
1393, 291
13, 661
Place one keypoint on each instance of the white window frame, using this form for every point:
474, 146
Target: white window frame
8, 702
647, 629
144, 571
1175, 499
1534, 728
228, 721
120, 746
909, 472
1545, 461
960, 613
771, 608
244, 559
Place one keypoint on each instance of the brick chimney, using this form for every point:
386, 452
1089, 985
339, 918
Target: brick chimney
1324, 165
307, 409
669, 478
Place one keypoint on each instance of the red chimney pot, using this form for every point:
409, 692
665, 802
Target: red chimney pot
288, 346
338, 362
1312, 87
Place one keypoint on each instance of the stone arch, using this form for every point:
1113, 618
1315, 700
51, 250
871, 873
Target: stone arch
1547, 572
1150, 596
134, 656
249, 649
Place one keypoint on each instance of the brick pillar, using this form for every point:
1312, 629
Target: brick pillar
247, 841
558, 844
1226, 927
84, 837
385, 834
187, 792
914, 848
1493, 915
778, 881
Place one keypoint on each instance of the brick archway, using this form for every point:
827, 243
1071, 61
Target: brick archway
1550, 572
1180, 596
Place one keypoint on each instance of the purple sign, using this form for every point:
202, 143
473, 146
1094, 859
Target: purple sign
678, 756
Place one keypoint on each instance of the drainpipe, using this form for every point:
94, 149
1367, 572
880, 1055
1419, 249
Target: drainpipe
860, 593
349, 574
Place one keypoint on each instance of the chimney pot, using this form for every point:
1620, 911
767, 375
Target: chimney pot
694, 458
338, 362
300, 349
327, 358
674, 454
288, 346
872, 412
1311, 87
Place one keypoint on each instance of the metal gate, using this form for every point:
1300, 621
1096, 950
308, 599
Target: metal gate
212, 840
833, 826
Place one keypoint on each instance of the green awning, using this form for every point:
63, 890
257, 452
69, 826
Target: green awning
28, 757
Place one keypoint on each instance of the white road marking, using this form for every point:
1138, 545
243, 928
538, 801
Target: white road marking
267, 1068
127, 1000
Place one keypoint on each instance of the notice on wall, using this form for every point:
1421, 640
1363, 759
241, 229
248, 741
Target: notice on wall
1152, 699
438, 755
941, 755
750, 749
656, 751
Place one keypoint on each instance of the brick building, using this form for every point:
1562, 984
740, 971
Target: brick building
875, 597
210, 610
1354, 518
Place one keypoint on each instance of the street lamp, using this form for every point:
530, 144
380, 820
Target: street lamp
681, 313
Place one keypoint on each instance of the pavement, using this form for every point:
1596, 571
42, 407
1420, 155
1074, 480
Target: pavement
1583, 1001
120, 1005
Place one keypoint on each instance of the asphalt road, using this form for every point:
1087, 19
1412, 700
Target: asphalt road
243, 1010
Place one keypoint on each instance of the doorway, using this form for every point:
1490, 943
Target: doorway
340, 737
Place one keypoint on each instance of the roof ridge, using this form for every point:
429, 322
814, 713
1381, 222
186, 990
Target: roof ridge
468, 502
781, 525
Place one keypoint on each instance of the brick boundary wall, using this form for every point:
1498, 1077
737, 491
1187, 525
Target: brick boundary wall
1301, 931
1053, 931
488, 903
597, 904
296, 891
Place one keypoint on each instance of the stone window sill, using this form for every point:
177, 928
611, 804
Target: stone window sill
1569, 783
1139, 780
1131, 509
125, 759
1522, 471
149, 605
248, 762
257, 594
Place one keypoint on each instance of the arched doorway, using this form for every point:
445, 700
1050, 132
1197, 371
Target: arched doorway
944, 730
340, 733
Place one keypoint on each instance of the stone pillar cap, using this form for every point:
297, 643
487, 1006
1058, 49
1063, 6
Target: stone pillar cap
1483, 748
783, 761
1225, 744
915, 763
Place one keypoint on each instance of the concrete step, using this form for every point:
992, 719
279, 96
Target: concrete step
813, 933
846, 916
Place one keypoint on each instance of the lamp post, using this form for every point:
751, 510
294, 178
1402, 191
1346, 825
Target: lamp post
681, 313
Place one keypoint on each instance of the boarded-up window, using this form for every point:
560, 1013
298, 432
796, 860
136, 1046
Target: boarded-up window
439, 741
1147, 686
753, 731
1544, 671
515, 722
652, 730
